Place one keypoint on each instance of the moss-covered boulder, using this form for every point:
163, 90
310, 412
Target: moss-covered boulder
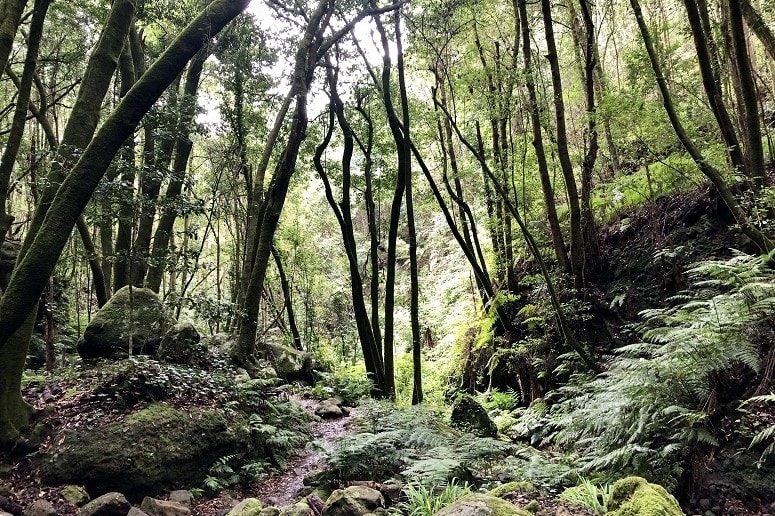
468, 415
75, 495
635, 496
135, 315
247, 507
297, 509
353, 501
149, 451
512, 487
180, 345
479, 504
109, 504
290, 364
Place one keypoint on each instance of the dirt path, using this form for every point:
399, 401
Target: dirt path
282, 489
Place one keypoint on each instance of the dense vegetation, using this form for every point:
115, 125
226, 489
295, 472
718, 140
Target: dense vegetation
507, 257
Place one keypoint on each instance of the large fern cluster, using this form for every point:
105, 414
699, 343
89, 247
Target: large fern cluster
413, 443
658, 397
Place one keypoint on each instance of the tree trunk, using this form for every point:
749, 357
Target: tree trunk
18, 123
759, 27
161, 239
574, 207
10, 16
558, 243
126, 163
286, 288
17, 306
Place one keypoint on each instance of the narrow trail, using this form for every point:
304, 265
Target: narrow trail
283, 488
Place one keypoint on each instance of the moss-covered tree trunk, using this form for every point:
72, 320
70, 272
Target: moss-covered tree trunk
45, 245
10, 17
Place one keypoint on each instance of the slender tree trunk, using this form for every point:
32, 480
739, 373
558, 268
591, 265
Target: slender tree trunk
574, 207
759, 27
288, 299
268, 215
126, 163
16, 134
754, 150
560, 250
44, 246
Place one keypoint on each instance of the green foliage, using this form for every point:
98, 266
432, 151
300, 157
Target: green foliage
414, 443
764, 438
427, 501
652, 405
348, 382
587, 494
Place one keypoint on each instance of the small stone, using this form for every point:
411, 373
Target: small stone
110, 504
75, 495
40, 508
182, 497
134, 511
154, 507
533, 506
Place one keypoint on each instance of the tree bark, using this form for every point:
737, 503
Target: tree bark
759, 27
286, 288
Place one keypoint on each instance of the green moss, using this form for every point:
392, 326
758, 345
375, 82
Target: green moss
247, 507
154, 449
140, 316
512, 487
482, 505
635, 496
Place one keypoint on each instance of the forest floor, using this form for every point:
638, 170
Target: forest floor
286, 487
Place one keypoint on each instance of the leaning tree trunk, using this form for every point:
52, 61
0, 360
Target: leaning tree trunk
45, 245
286, 288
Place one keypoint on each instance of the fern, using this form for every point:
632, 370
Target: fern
765, 437
655, 399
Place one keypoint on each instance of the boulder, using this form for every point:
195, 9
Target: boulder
110, 504
75, 495
512, 487
40, 508
154, 507
353, 501
479, 504
141, 317
297, 509
635, 496
468, 415
269, 511
134, 511
247, 507
181, 496
180, 344
156, 448
290, 364
330, 409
